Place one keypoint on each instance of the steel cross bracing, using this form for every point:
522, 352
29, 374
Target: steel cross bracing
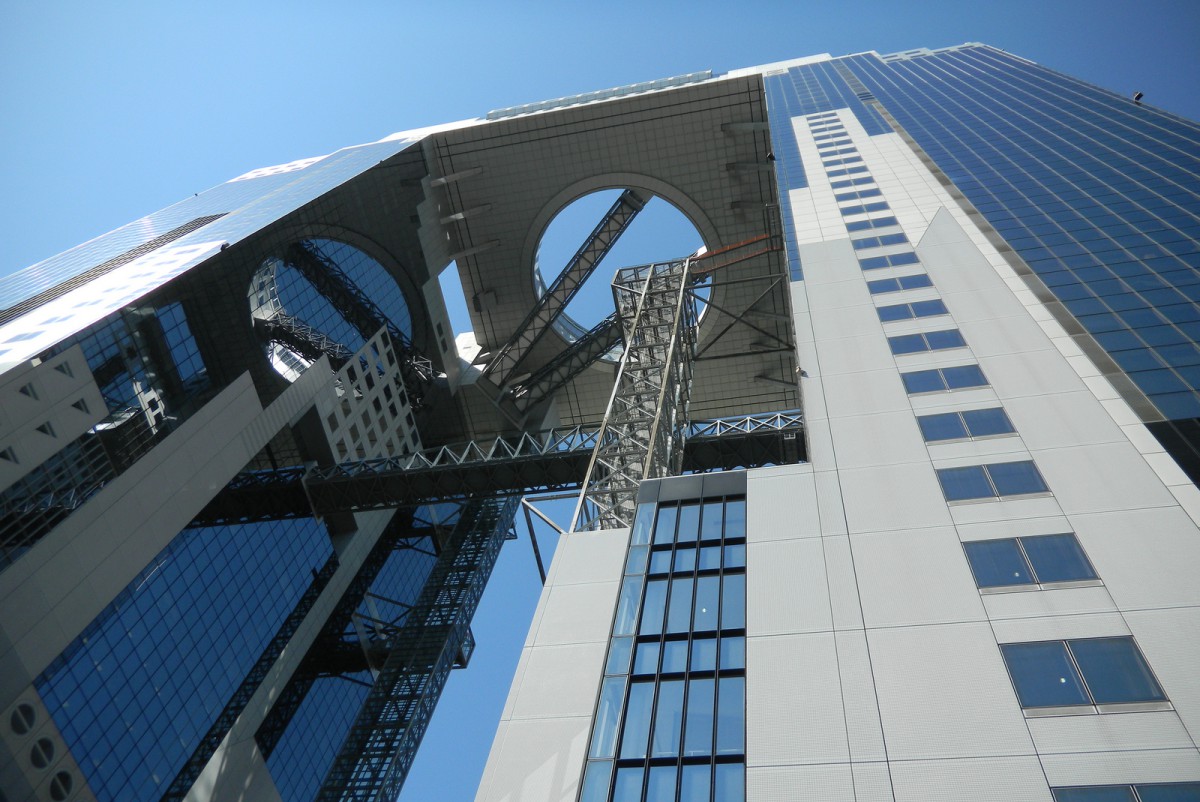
519, 464
554, 300
360, 311
641, 436
303, 339
378, 752
556, 373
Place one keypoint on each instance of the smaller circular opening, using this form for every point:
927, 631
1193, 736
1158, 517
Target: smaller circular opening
23, 718
42, 753
60, 786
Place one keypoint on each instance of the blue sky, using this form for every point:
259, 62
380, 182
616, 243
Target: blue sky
111, 111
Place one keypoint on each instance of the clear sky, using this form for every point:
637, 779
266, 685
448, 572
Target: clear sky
109, 111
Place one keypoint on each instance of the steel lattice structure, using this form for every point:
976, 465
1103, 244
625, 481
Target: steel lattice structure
641, 436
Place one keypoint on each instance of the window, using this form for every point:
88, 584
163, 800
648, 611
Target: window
902, 283
893, 260
841, 197
991, 481
878, 242
1144, 792
926, 341
847, 171
1090, 671
1041, 559
913, 310
942, 379
963, 425
868, 207
852, 182
877, 222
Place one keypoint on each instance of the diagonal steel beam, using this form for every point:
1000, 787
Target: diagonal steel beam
554, 301
570, 363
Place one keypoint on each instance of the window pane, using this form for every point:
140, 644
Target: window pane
710, 557
707, 596
629, 783
1057, 558
668, 719
964, 483
907, 344
912, 282
646, 659
696, 783
964, 376
652, 607
898, 312
1170, 792
595, 782
679, 616
704, 654
711, 517
661, 785
636, 564
735, 556
733, 652
1111, 793
1015, 478
664, 528
922, 381
618, 656
950, 338
1115, 671
984, 422
731, 724
946, 426
731, 783
689, 523
641, 524
636, 731
685, 561
1043, 675
698, 736
660, 561
627, 606
928, 308
733, 601
996, 563
675, 654
608, 713
735, 517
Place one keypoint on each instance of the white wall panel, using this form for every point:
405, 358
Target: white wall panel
786, 588
577, 614
993, 779
536, 759
559, 681
893, 497
833, 783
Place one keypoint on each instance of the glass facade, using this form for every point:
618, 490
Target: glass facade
670, 720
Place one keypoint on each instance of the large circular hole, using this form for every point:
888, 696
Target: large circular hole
309, 300
659, 233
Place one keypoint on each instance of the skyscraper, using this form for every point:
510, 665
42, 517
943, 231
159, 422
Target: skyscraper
252, 487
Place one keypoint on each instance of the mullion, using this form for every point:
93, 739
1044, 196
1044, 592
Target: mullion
1032, 571
1079, 672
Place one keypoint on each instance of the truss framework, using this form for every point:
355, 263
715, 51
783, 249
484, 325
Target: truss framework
641, 435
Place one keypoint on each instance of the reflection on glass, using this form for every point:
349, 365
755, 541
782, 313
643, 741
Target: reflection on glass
996, 563
608, 712
733, 601
704, 654
730, 783
646, 660
653, 607
679, 618
618, 656
695, 783
735, 518
710, 519
641, 524
595, 782
661, 785
1043, 674
1115, 671
689, 522
636, 732
664, 528
1057, 558
735, 556
628, 784
660, 562
627, 606
636, 563
674, 657
731, 706
707, 598
733, 652
668, 719
685, 561
1115, 793
698, 735
710, 558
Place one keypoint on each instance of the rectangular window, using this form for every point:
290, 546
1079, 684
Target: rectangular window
910, 311
1142, 792
862, 193
1040, 559
883, 285
892, 260
877, 222
943, 379
868, 207
847, 171
852, 182
1087, 671
963, 425
996, 480
926, 341
878, 242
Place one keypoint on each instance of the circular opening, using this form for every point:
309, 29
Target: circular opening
659, 233
23, 718
60, 786
322, 296
41, 753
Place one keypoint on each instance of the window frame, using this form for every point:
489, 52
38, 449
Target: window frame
987, 474
1091, 706
1035, 580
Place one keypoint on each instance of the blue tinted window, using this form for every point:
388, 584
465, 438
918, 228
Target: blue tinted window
1115, 671
907, 344
923, 381
1169, 792
1057, 558
1099, 793
618, 656
660, 785
628, 784
698, 732
915, 282
731, 724
608, 713
645, 660
675, 657
595, 782
695, 782
1015, 478
940, 340
707, 598
680, 610
986, 422
733, 601
730, 785
959, 484
1043, 674
653, 607
668, 719
946, 426
704, 654
928, 308
964, 376
997, 563
664, 528
636, 732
